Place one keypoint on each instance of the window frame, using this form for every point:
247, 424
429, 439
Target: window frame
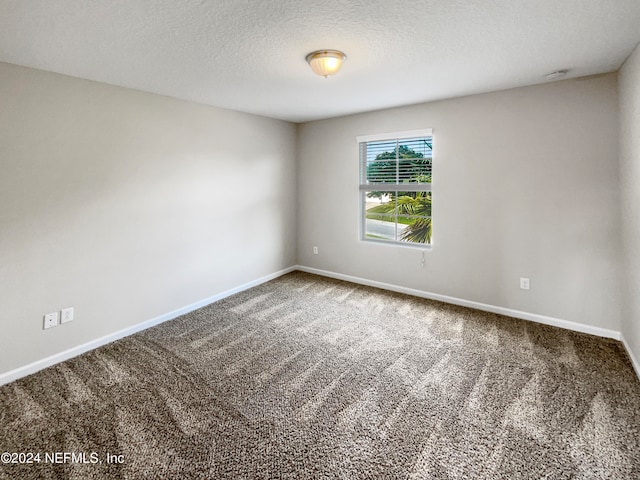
396, 187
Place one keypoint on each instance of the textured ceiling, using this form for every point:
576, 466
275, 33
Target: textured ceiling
248, 55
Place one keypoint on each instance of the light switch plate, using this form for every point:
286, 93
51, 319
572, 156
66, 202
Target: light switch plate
66, 315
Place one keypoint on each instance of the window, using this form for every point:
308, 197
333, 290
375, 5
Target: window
395, 187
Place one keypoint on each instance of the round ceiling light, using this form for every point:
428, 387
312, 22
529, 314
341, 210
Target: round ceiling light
326, 62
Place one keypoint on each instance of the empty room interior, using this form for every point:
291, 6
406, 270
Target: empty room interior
339, 239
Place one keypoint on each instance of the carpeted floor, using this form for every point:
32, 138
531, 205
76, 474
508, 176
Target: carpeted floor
308, 377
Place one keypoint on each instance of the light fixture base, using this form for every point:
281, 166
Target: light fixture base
325, 62
556, 75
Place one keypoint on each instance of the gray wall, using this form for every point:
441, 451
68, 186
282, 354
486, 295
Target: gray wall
128, 205
525, 184
630, 188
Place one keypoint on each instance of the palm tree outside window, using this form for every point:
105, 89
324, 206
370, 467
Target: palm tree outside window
395, 187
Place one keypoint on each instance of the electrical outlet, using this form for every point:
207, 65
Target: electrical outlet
66, 315
315, 250
524, 283
50, 320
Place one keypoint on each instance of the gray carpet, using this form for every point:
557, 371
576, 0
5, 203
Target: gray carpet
308, 377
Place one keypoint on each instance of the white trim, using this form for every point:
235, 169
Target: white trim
38, 365
425, 132
427, 247
556, 322
396, 187
634, 360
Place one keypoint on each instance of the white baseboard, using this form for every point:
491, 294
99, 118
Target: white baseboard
534, 317
634, 360
38, 365
556, 322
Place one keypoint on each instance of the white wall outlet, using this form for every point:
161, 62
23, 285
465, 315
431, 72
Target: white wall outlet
50, 320
66, 315
524, 283
315, 250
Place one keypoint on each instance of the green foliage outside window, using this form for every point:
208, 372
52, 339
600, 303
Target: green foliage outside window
410, 208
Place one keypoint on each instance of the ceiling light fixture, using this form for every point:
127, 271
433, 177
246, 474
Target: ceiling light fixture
555, 75
325, 62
